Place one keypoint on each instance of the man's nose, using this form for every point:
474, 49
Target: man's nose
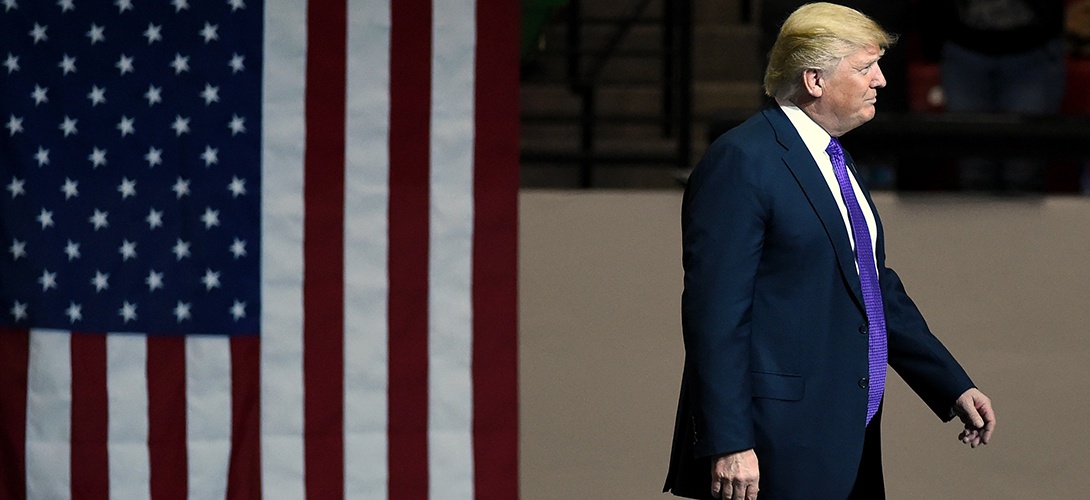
879, 80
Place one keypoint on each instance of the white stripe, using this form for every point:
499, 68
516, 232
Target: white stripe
208, 414
450, 319
365, 249
48, 416
283, 133
127, 402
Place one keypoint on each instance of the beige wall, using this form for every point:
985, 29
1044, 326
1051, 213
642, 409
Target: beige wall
1002, 281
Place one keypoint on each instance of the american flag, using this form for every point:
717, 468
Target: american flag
258, 249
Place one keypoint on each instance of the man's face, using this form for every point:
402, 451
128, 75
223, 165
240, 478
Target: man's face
850, 90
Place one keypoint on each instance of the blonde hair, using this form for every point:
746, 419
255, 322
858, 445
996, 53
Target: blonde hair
818, 36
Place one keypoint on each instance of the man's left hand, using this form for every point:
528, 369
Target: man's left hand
975, 411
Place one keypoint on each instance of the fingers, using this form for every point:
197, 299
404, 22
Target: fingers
736, 490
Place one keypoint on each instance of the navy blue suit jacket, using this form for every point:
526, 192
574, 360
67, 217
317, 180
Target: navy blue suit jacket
774, 324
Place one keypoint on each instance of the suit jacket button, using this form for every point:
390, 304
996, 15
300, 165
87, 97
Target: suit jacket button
863, 329
863, 382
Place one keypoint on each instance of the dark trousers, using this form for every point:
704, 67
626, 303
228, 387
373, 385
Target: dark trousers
868, 481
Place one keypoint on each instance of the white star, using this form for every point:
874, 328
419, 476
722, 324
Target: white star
124, 64
47, 280
96, 95
123, 5
71, 250
127, 188
211, 279
154, 280
17, 187
181, 187
11, 63
45, 218
14, 125
67, 64
66, 5
69, 126
17, 249
181, 311
238, 248
127, 250
39, 95
236, 4
10, 4
42, 156
153, 33
181, 249
154, 157
237, 63
210, 32
237, 187
237, 125
97, 157
180, 125
238, 310
38, 33
210, 218
100, 281
179, 5
18, 310
70, 188
210, 94
210, 155
74, 312
126, 126
96, 33
127, 311
180, 63
154, 219
99, 219
154, 95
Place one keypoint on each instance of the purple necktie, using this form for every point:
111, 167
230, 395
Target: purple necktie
868, 280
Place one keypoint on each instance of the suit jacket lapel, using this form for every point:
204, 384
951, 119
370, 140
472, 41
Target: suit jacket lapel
801, 163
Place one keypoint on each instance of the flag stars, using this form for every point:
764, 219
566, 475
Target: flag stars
97, 157
67, 64
180, 63
97, 95
42, 156
154, 219
179, 5
99, 219
154, 280
154, 95
38, 33
39, 95
71, 249
11, 63
211, 279
210, 156
237, 187
181, 187
14, 125
237, 125
66, 5
125, 64
74, 312
123, 5
210, 32
210, 94
180, 125
127, 188
70, 188
238, 310
181, 311
17, 249
210, 218
48, 280
236, 4
127, 311
127, 250
101, 281
181, 249
96, 33
17, 187
126, 126
154, 33
19, 311
45, 218
10, 4
68, 126
238, 248
237, 63
154, 157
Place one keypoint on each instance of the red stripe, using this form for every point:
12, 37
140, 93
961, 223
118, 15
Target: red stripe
14, 363
323, 254
495, 247
410, 115
90, 411
166, 418
244, 473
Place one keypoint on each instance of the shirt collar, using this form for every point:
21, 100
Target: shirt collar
815, 137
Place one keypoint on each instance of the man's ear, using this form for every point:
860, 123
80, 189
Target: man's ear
813, 82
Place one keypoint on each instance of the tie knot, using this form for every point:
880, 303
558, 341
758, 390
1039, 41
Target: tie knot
834, 148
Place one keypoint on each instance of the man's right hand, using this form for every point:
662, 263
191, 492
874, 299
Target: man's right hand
735, 475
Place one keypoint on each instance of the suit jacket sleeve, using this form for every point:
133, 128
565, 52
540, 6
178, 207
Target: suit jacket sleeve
723, 223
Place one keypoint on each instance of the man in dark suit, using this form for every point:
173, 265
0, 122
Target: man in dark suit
789, 311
